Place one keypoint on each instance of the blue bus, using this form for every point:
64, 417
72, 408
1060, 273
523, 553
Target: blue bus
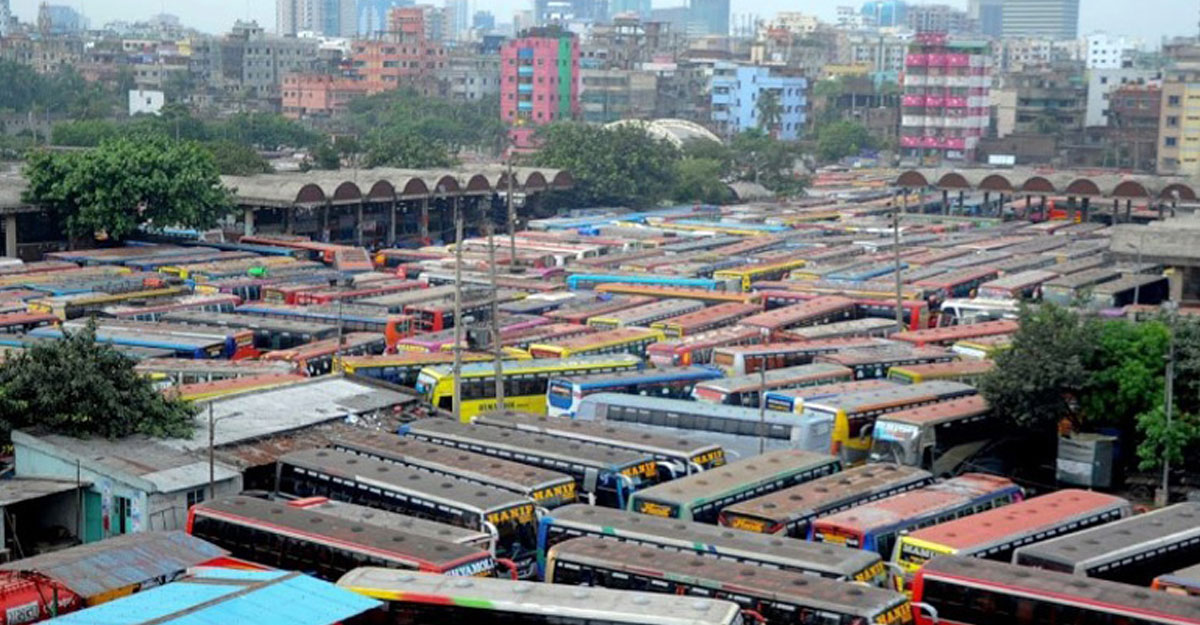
864, 273
180, 346
588, 281
563, 395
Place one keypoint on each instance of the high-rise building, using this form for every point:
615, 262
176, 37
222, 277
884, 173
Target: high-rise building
945, 108
483, 21
737, 93
1179, 131
456, 16
330, 18
373, 15
711, 17
539, 81
59, 19
884, 13
641, 8
5, 18
938, 18
989, 15
1055, 19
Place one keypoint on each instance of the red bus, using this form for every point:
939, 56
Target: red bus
710, 318
961, 283
662, 292
746, 390
317, 358
580, 310
697, 349
287, 292
216, 303
550, 333
23, 322
325, 252
818, 311
438, 315
949, 335
952, 590
371, 289
744, 359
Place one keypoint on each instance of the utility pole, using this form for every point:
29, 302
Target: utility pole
1164, 494
212, 462
458, 329
512, 218
762, 398
497, 350
896, 258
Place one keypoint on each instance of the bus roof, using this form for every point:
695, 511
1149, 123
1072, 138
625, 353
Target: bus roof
354, 513
517, 367
251, 322
884, 355
506, 474
715, 483
814, 372
837, 388
797, 313
1119, 539
1031, 516
570, 603
227, 367
605, 336
815, 346
661, 307
577, 452
324, 527
713, 538
933, 370
377, 472
866, 401
647, 376
403, 358
838, 327
1134, 602
950, 334
1125, 283
777, 585
926, 501
687, 406
940, 412
1187, 576
597, 432
802, 499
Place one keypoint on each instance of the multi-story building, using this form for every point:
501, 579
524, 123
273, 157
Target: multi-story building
1104, 51
710, 17
1133, 119
384, 65
938, 18
1178, 127
608, 95
248, 63
331, 18
5, 18
1050, 100
1102, 83
794, 22
847, 18
885, 13
412, 23
456, 20
639, 8
1014, 55
539, 74
883, 53
945, 106
483, 21
989, 15
59, 19
739, 90
1053, 19
468, 76
307, 96
567, 11
373, 16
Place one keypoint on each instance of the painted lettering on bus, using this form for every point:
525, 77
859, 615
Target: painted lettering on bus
750, 525
899, 614
648, 469
917, 554
479, 568
714, 458
564, 492
520, 514
656, 509
870, 573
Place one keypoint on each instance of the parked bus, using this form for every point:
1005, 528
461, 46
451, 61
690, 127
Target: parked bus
772, 596
417, 598
867, 364
366, 515
711, 318
621, 341
855, 328
940, 437
822, 310
747, 390
353, 478
437, 315
684, 456
315, 359
580, 308
178, 371
876, 526
525, 382
1184, 582
67, 307
954, 312
947, 336
588, 281
914, 313
745, 359
403, 368
564, 393
605, 475
700, 538
1133, 550
664, 292
179, 346
157, 308
278, 535
792, 400
643, 316
994, 534
791, 510
984, 348
1130, 289
351, 317
970, 591
238, 343
548, 489
332, 295
748, 274
956, 284
1070, 288
700, 497
269, 333
1025, 285
966, 371
697, 349
25, 322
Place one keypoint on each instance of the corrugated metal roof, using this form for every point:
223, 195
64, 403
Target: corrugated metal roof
225, 596
20, 489
100, 567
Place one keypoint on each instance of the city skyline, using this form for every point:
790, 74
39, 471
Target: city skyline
1172, 17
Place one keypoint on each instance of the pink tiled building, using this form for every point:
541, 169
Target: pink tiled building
539, 81
318, 95
945, 108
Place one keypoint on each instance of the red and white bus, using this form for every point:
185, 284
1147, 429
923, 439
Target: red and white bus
818, 311
710, 318
949, 335
317, 358
744, 359
746, 390
697, 349
956, 284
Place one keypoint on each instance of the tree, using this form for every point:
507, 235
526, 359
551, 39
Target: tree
325, 157
125, 183
621, 166
770, 111
1160, 440
711, 150
407, 150
265, 131
82, 388
699, 180
236, 159
1125, 372
838, 140
763, 159
84, 133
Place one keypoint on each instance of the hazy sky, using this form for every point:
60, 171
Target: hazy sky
1148, 19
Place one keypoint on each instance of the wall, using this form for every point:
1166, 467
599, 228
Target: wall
145, 102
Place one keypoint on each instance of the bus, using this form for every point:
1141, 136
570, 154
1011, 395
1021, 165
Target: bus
605, 475
366, 515
701, 497
876, 526
770, 596
940, 437
646, 314
914, 313
511, 518
1133, 550
525, 382
437, 315
269, 333
711, 318
957, 284
589, 281
82, 304
664, 292
580, 309
954, 312
984, 348
564, 393
700, 538
178, 371
1185, 581
332, 295
180, 346
1024, 285
1130, 289
697, 349
745, 359
966, 371
419, 598
155, 309
790, 511
822, 310
947, 336
315, 359
1070, 288
238, 343
403, 368
278, 535
867, 364
970, 591
747, 390
618, 342
24, 322
994, 534
748, 274
351, 318
855, 328
548, 489
684, 456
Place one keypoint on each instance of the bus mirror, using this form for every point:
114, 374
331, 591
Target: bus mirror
928, 609
590, 478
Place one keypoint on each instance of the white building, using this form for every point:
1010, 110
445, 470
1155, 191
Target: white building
1101, 84
146, 102
795, 22
1104, 51
849, 18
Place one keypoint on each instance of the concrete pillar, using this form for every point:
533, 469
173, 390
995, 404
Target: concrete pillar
1175, 283
326, 235
1128, 211
10, 236
1084, 208
424, 223
987, 202
945, 202
1116, 210
391, 235
248, 222
1160, 210
962, 208
288, 219
1028, 206
358, 224
1042, 210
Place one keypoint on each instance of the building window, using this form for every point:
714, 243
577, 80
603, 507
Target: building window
194, 497
1171, 142
1172, 121
1173, 100
122, 507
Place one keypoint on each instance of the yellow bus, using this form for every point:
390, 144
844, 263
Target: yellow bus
74, 306
525, 382
619, 341
748, 274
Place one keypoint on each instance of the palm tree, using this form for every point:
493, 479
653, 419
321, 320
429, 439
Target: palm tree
770, 111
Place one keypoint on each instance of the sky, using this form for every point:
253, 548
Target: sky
1148, 19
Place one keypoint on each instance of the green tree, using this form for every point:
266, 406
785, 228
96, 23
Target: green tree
699, 180
324, 157
769, 111
236, 159
407, 150
838, 140
711, 150
128, 182
621, 166
1160, 440
761, 158
455, 125
265, 131
84, 133
1125, 371
82, 388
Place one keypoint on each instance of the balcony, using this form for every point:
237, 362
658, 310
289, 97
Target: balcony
935, 101
937, 60
955, 102
525, 70
913, 100
917, 60
957, 60
524, 88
